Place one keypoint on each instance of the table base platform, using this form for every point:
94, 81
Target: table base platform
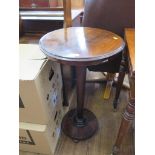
79, 129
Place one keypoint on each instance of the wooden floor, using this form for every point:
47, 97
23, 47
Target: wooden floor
109, 121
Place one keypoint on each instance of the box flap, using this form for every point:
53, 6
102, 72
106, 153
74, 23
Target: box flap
30, 52
30, 126
29, 69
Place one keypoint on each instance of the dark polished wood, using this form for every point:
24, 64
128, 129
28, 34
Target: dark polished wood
78, 122
79, 129
80, 47
81, 78
130, 109
122, 71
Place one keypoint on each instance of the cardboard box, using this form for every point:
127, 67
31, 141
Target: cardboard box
40, 138
40, 85
30, 52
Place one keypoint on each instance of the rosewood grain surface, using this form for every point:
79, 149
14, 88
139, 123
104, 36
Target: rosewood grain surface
81, 44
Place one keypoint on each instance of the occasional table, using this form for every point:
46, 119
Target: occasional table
129, 113
80, 47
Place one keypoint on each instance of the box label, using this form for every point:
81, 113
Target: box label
26, 138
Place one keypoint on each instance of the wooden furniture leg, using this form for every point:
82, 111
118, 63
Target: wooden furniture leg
127, 118
110, 77
120, 80
65, 96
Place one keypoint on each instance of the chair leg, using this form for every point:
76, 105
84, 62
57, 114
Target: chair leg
120, 80
118, 88
110, 77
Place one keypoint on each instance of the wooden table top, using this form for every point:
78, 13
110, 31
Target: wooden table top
81, 44
130, 40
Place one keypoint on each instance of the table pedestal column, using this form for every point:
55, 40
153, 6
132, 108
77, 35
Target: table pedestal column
80, 123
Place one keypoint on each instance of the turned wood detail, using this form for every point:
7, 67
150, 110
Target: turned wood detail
130, 112
127, 119
130, 109
77, 122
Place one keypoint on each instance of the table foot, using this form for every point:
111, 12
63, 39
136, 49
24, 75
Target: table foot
79, 129
115, 150
75, 140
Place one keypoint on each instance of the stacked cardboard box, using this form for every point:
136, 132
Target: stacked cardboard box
40, 101
40, 138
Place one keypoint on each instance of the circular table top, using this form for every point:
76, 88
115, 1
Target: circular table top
81, 44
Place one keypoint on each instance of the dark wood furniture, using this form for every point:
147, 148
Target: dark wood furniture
81, 47
113, 16
128, 115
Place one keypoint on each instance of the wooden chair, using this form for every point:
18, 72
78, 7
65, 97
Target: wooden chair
113, 16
